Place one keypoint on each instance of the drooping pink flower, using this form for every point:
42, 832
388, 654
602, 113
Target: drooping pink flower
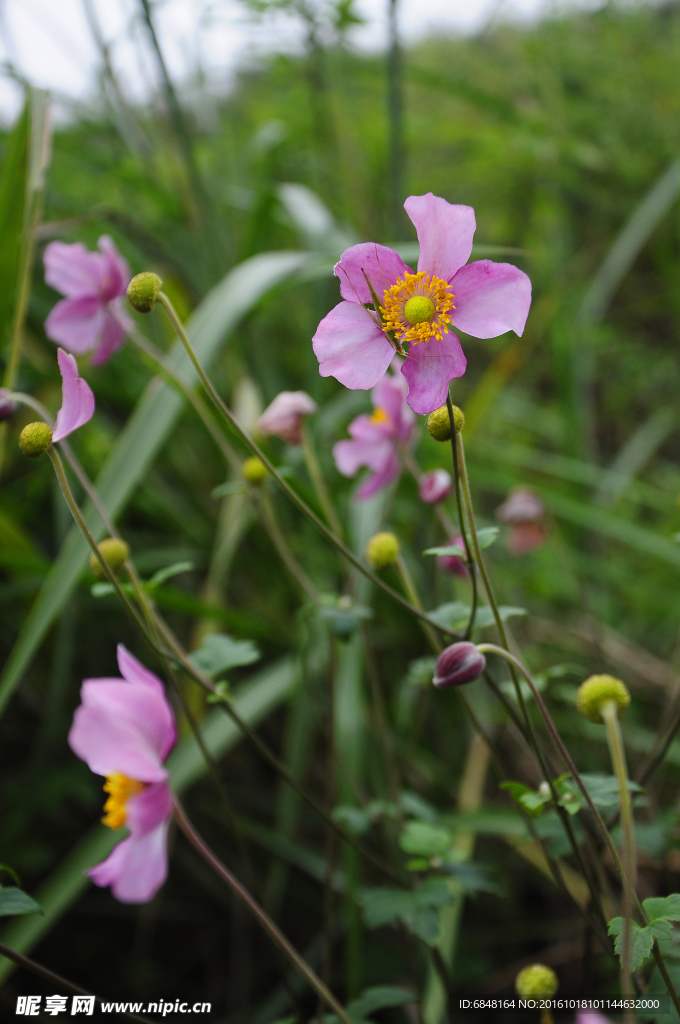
483, 299
91, 318
434, 486
378, 440
454, 563
524, 511
283, 417
77, 400
124, 729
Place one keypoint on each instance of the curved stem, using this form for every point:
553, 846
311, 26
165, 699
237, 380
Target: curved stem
224, 410
283, 548
318, 481
457, 483
610, 717
410, 588
259, 914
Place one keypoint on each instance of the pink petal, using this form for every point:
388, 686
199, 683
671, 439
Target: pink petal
134, 672
282, 416
115, 270
137, 867
148, 808
77, 403
77, 324
591, 1017
381, 265
72, 269
388, 472
445, 232
351, 455
454, 563
434, 486
122, 727
109, 341
351, 348
428, 368
490, 299
390, 394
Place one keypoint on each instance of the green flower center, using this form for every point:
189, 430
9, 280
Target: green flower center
419, 309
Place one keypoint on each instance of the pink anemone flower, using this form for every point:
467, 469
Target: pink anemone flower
124, 729
434, 486
524, 512
283, 417
483, 299
91, 318
377, 440
77, 400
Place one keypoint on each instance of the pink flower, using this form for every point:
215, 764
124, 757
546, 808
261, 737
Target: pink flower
77, 400
591, 1017
283, 417
454, 563
124, 729
483, 299
524, 512
434, 486
91, 318
377, 440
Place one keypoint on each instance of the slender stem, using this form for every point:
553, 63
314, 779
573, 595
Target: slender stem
283, 548
259, 914
410, 588
610, 717
469, 560
283, 484
318, 481
44, 972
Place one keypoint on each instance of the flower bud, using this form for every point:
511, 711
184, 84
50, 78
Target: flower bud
597, 691
143, 290
7, 406
382, 550
536, 982
457, 664
434, 486
254, 471
439, 424
114, 551
35, 439
453, 563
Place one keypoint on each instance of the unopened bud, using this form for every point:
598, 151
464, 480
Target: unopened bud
597, 691
35, 439
143, 290
439, 424
460, 663
536, 982
254, 471
382, 550
7, 406
114, 551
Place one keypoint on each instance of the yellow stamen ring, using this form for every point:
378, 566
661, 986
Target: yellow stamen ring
417, 308
380, 416
120, 789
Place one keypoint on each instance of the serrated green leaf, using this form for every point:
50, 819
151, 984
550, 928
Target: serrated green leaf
421, 839
218, 653
641, 939
663, 907
14, 902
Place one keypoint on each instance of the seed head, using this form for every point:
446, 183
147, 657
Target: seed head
114, 551
536, 982
439, 425
143, 290
382, 550
254, 471
35, 439
596, 692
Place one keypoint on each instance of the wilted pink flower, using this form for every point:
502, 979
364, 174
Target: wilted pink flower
434, 486
77, 400
377, 440
453, 563
523, 510
124, 729
91, 318
483, 299
283, 417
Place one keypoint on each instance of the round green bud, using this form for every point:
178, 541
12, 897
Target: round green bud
114, 551
382, 550
254, 471
35, 439
419, 309
439, 424
536, 982
143, 290
597, 691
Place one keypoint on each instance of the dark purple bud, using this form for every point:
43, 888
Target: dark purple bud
7, 406
459, 663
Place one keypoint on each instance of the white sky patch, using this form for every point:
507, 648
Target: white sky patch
51, 45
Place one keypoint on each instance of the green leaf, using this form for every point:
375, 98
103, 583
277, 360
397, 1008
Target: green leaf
448, 549
531, 801
604, 789
379, 997
10, 871
14, 902
168, 572
487, 536
418, 909
144, 435
12, 201
425, 840
456, 615
218, 653
663, 907
641, 939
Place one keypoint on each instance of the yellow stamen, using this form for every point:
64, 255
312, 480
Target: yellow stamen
120, 788
417, 308
380, 416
